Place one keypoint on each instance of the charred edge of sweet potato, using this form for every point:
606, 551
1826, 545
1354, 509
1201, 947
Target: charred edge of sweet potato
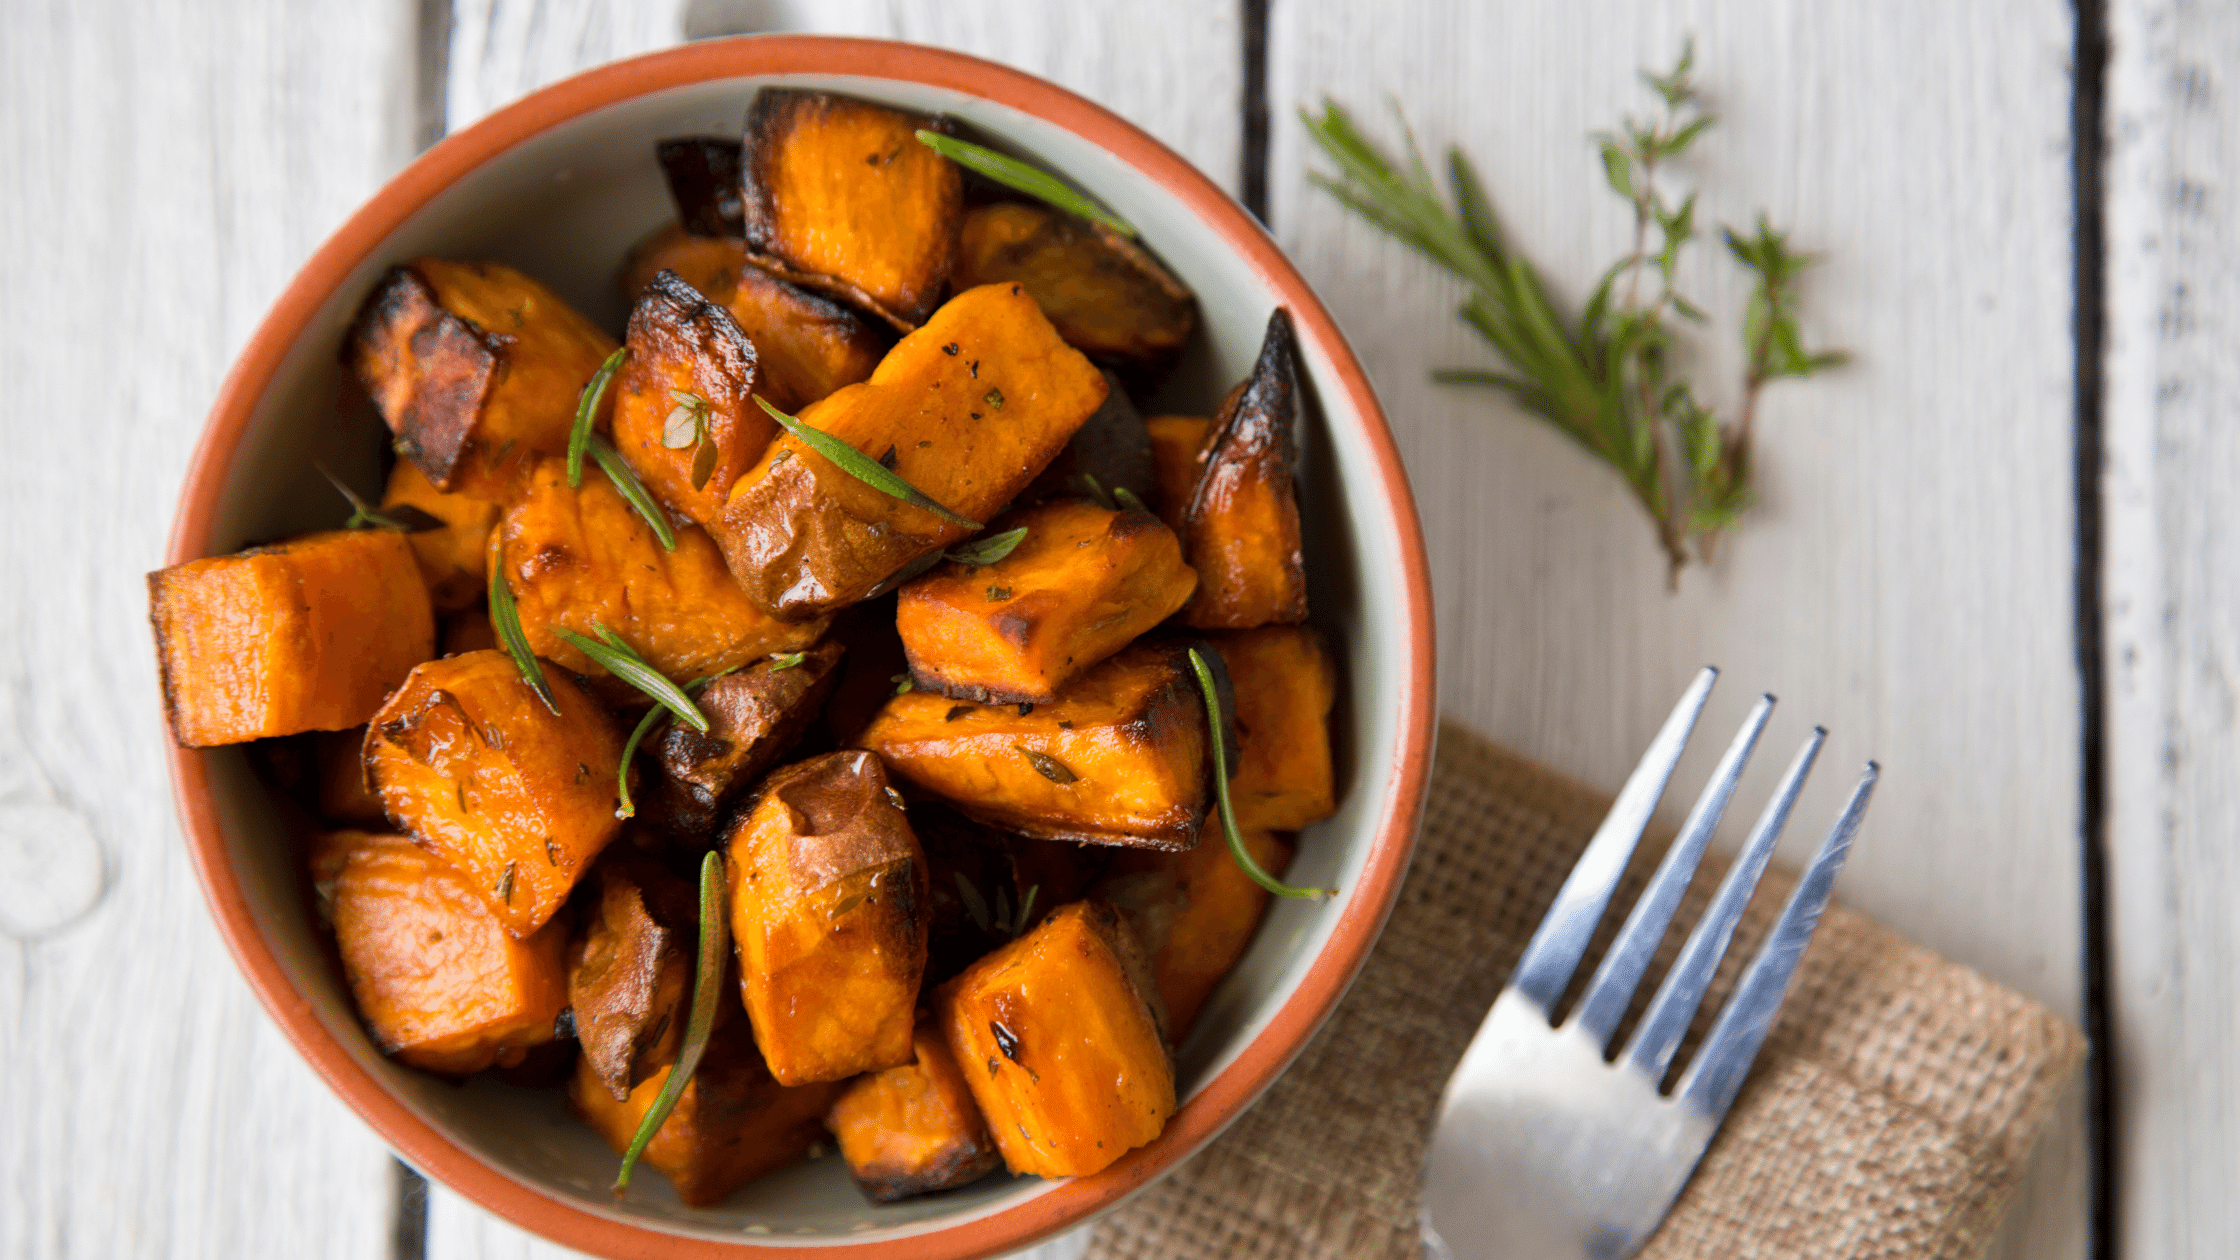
778, 269
1113, 445
1260, 422
675, 320
690, 800
703, 174
961, 1165
428, 371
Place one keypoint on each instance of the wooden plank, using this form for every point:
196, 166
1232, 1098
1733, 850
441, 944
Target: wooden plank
169, 169
2173, 634
1906, 580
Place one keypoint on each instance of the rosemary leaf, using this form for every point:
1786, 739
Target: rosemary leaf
623, 807
403, 517
1237, 851
1026, 907
610, 462
707, 989
1015, 174
862, 467
505, 621
986, 551
623, 661
1127, 498
587, 411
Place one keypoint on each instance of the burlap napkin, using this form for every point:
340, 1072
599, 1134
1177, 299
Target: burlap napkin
1889, 1115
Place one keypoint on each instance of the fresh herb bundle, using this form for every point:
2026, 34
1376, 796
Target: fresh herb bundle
1607, 380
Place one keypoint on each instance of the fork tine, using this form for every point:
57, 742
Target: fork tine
1716, 1076
1674, 1007
1622, 968
1561, 939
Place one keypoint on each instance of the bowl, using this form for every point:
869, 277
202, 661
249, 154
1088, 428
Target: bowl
560, 184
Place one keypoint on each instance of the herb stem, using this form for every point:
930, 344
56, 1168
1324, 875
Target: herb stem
705, 986
505, 621
1243, 857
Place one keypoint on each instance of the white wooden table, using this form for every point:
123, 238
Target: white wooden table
1999, 552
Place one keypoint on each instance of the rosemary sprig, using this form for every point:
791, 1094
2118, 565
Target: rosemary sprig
623, 661
632, 489
623, 806
403, 517
981, 552
862, 467
505, 621
706, 990
587, 410
1244, 859
1015, 174
1606, 380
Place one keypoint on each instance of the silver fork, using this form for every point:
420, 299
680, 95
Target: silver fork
1547, 1147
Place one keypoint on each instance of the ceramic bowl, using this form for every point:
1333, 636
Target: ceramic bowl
560, 184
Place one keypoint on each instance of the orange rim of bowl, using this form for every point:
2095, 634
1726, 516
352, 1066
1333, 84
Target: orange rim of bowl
1222, 1099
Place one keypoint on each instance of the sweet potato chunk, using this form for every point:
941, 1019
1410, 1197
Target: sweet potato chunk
732, 1123
1111, 451
1241, 529
1106, 295
840, 196
438, 980
630, 974
967, 409
475, 367
469, 760
452, 559
1195, 913
754, 718
684, 347
703, 173
1120, 757
344, 796
1178, 455
708, 264
1059, 1039
913, 1129
307, 635
828, 911
1083, 583
1285, 682
573, 556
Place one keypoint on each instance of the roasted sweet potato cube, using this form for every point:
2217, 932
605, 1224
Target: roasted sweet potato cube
1285, 682
519, 799
1241, 530
575, 556
687, 355
913, 1129
840, 195
1120, 757
732, 1123
1082, 584
967, 409
630, 973
475, 367
828, 913
754, 718
1110, 452
709, 264
1107, 296
307, 635
439, 981
344, 796
703, 173
1060, 1041
1195, 913
452, 558
1178, 455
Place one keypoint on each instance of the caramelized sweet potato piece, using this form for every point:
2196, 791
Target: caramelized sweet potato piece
1112, 448
754, 718
1107, 296
344, 794
1178, 456
1286, 682
1195, 913
683, 346
469, 760
307, 635
967, 409
1083, 583
732, 1123
828, 911
1120, 757
708, 264
438, 980
840, 196
1060, 1041
573, 556
703, 174
1241, 530
475, 367
630, 973
913, 1129
452, 559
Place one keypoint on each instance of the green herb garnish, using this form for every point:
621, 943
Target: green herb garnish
1096, 491
786, 660
505, 620
1607, 381
403, 517
1127, 498
623, 807
1216, 723
1015, 174
626, 481
986, 551
862, 467
623, 661
688, 425
706, 989
587, 409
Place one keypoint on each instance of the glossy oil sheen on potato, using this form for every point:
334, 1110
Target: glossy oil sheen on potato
681, 343
913, 1129
1241, 529
1108, 297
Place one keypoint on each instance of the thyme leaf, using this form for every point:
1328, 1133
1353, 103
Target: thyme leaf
706, 989
1017, 175
401, 517
862, 467
1047, 766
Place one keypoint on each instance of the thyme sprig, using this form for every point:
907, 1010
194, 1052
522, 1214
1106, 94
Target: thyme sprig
1215, 723
688, 424
587, 411
1017, 175
505, 622
862, 467
623, 661
401, 517
707, 984
1608, 380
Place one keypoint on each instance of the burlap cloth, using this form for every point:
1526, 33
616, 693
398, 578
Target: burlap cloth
1890, 1112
